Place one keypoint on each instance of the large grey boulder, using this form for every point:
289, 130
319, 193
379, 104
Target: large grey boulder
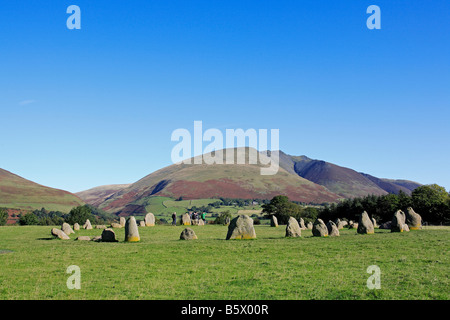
374, 222
332, 228
319, 229
100, 226
188, 234
413, 219
83, 238
149, 219
293, 228
60, 234
301, 223
108, 235
185, 220
131, 230
274, 221
339, 223
66, 228
398, 221
116, 225
87, 225
76, 226
241, 227
365, 225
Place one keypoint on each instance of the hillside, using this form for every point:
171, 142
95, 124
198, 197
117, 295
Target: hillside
196, 181
19, 193
343, 181
98, 195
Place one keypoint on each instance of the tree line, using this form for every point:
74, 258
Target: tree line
44, 217
432, 202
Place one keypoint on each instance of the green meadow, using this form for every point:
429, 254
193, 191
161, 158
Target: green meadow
413, 265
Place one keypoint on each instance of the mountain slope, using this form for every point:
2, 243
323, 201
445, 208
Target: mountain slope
343, 181
393, 186
98, 195
194, 181
19, 193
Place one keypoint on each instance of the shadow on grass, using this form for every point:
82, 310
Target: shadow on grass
45, 238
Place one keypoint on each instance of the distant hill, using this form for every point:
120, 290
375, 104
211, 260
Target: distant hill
196, 181
19, 193
98, 195
343, 181
299, 177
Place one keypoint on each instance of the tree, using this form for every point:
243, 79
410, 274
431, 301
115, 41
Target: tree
282, 208
28, 219
430, 201
79, 215
221, 219
309, 214
3, 216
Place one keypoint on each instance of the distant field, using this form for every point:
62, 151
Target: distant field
413, 265
163, 207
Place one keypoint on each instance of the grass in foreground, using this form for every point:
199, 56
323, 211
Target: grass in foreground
414, 265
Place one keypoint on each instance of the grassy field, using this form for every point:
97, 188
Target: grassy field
413, 265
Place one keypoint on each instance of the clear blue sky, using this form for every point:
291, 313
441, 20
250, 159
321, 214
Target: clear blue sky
82, 108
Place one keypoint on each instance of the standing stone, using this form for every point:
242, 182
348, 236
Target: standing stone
122, 221
87, 225
108, 235
185, 220
149, 219
141, 223
398, 221
353, 225
76, 226
66, 228
274, 222
60, 234
100, 226
301, 223
131, 230
188, 234
405, 228
309, 226
332, 228
365, 225
319, 229
374, 222
339, 223
413, 219
97, 238
201, 223
241, 227
83, 238
293, 228
116, 225
344, 223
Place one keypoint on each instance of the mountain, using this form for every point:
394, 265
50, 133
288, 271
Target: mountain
19, 193
195, 181
98, 195
345, 182
394, 186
